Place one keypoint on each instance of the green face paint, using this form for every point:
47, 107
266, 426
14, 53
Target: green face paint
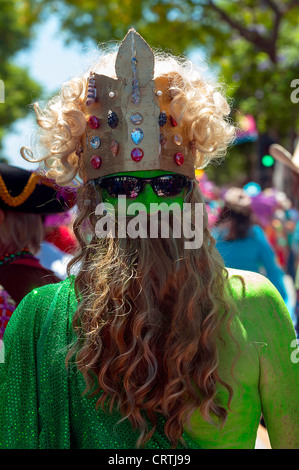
147, 196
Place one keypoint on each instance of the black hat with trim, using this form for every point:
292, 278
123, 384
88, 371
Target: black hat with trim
26, 191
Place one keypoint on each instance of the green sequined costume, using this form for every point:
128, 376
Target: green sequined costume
41, 404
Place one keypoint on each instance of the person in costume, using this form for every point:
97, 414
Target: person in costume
25, 197
243, 244
151, 344
282, 155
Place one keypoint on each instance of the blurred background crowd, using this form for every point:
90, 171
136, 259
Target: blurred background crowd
252, 196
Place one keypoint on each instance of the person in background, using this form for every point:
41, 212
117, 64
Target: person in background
291, 160
243, 244
25, 198
58, 231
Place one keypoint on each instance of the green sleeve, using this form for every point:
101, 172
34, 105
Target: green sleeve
18, 404
279, 371
34, 402
19, 407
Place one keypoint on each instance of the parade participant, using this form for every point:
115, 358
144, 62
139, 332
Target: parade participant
152, 344
242, 243
59, 244
58, 232
282, 155
25, 197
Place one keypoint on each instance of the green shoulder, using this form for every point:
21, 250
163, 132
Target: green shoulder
268, 325
259, 306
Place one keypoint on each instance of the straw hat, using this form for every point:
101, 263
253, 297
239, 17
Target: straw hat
282, 155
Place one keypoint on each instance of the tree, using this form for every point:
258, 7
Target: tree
17, 20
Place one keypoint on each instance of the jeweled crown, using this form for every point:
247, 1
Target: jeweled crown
127, 117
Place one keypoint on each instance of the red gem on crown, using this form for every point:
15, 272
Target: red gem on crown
137, 154
93, 122
179, 158
96, 161
173, 122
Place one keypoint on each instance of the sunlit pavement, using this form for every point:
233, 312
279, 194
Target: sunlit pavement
262, 441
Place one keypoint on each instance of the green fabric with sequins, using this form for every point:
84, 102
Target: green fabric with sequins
41, 402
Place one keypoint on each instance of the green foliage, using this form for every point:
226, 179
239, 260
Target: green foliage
236, 168
20, 90
17, 19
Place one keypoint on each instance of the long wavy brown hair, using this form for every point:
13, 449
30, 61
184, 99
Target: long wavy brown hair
148, 316
20, 230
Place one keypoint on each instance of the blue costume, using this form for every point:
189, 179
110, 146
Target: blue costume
253, 253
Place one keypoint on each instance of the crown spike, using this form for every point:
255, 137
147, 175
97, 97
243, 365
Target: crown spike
134, 46
132, 109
